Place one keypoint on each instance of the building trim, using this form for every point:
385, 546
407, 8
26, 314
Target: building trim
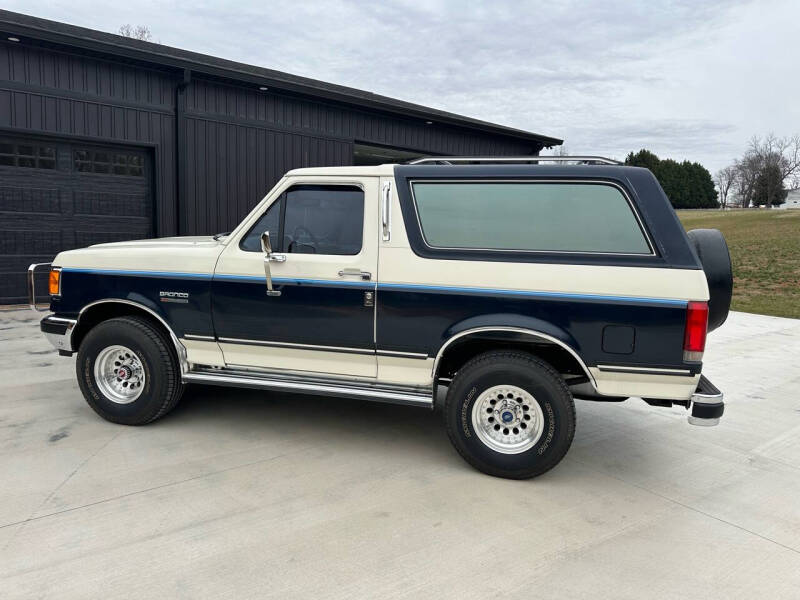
57, 93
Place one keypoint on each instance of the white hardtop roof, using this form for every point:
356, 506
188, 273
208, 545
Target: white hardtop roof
373, 171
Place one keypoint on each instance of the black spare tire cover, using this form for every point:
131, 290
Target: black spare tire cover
712, 250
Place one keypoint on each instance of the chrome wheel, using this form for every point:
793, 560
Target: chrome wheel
119, 374
507, 419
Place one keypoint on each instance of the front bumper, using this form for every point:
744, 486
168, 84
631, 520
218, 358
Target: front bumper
706, 405
58, 331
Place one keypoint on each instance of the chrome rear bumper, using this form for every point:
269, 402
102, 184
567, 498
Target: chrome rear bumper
58, 331
707, 404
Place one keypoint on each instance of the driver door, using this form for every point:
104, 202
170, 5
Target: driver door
320, 318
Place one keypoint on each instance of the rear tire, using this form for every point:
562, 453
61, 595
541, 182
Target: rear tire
510, 414
128, 371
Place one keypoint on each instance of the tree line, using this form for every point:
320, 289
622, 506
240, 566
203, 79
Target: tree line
687, 184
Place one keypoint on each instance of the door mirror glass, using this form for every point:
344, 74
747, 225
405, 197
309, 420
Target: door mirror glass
266, 244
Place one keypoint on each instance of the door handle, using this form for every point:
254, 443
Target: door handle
386, 211
365, 275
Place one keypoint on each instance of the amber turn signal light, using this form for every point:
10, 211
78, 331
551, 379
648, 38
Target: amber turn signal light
54, 283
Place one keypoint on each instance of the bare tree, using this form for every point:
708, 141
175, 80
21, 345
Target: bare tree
725, 179
780, 156
746, 170
137, 32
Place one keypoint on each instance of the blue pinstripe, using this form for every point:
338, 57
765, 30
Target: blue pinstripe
386, 286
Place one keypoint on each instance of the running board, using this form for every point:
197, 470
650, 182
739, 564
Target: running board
365, 390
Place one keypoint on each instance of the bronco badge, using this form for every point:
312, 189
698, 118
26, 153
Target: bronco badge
178, 297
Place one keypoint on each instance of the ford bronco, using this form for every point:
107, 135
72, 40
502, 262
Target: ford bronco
506, 287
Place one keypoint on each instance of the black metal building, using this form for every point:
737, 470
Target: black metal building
105, 138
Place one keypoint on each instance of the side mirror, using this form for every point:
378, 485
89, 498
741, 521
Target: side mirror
266, 244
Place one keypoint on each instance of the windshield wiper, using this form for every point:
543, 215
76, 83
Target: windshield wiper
221, 235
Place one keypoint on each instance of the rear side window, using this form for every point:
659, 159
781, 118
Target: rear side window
528, 216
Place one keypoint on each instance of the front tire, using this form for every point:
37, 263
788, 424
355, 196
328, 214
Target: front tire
128, 371
510, 414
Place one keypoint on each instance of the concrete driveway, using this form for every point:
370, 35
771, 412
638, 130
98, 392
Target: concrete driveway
239, 494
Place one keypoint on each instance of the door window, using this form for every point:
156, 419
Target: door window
318, 219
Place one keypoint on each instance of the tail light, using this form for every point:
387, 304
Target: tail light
694, 339
54, 282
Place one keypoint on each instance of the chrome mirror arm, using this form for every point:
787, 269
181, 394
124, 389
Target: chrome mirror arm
269, 256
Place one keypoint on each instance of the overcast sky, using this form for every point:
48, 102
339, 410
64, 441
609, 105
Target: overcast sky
688, 79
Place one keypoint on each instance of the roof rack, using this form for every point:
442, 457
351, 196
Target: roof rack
449, 160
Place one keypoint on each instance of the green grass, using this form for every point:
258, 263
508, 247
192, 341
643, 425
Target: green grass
765, 252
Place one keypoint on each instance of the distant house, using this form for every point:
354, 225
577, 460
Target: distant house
792, 199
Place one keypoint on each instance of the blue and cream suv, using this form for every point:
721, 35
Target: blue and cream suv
506, 288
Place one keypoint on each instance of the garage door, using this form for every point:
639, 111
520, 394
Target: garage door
56, 196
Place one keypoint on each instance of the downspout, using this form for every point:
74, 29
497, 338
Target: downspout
180, 148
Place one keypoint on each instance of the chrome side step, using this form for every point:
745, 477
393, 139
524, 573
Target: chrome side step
409, 396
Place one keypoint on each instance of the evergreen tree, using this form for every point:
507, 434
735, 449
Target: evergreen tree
768, 189
643, 158
686, 184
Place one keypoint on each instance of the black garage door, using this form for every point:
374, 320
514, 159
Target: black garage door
56, 196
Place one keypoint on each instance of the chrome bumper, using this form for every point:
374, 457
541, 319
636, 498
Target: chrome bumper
58, 331
707, 404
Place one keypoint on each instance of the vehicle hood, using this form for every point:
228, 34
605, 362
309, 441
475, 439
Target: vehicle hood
167, 242
191, 254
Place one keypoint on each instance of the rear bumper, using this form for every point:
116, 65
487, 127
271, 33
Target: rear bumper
707, 404
58, 331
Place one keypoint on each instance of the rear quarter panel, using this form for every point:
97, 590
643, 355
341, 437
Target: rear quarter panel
424, 297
